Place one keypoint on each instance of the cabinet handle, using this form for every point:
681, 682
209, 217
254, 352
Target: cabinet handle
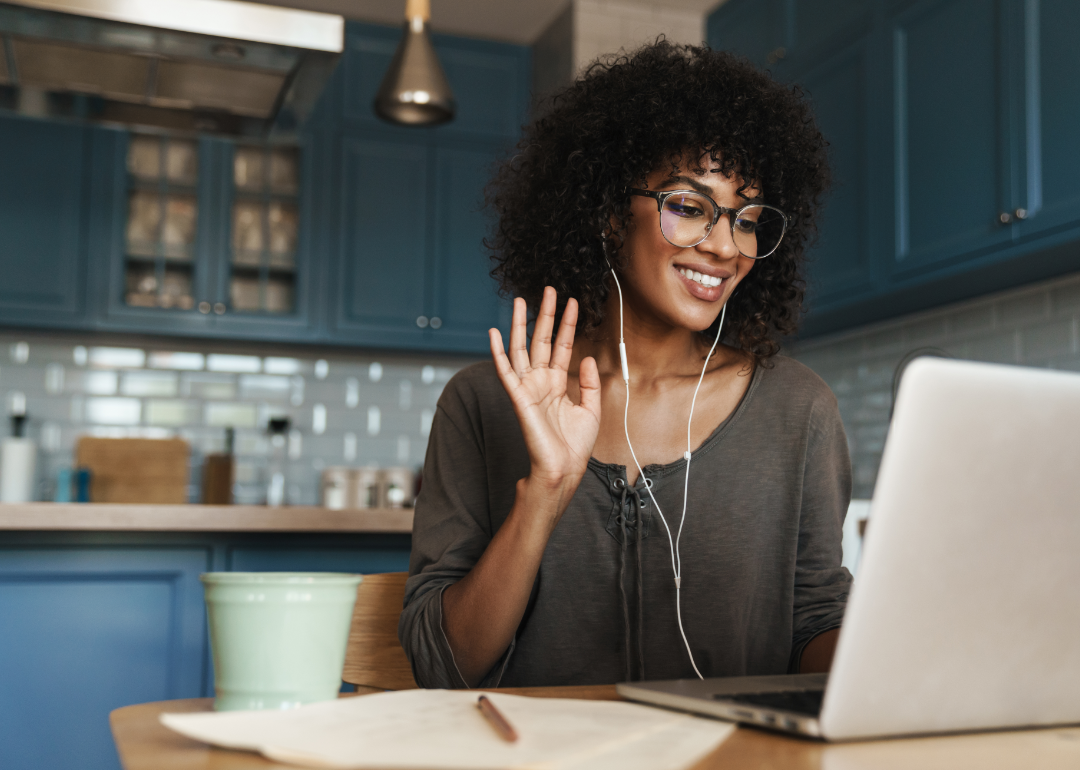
204, 307
1020, 213
220, 308
436, 322
422, 321
1005, 217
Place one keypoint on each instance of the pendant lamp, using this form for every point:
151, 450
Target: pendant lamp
415, 91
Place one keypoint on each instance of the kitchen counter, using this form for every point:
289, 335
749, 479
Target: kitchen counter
100, 517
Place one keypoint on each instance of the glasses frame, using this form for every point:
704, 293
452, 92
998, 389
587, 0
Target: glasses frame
660, 196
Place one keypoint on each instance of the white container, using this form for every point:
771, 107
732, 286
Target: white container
18, 465
335, 488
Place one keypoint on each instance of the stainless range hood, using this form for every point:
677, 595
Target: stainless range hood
217, 66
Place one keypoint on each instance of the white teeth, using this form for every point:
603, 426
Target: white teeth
704, 280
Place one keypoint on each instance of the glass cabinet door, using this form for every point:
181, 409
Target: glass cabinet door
265, 224
162, 222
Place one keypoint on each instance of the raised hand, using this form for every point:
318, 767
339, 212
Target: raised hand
559, 434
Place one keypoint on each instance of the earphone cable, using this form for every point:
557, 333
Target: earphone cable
673, 543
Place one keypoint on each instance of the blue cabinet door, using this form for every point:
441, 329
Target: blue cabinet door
42, 195
1051, 116
756, 29
381, 271
84, 631
464, 296
951, 145
839, 264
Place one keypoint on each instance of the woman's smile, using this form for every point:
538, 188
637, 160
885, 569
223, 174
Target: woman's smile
705, 283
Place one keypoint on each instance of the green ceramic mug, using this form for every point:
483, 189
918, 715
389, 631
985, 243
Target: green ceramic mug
278, 638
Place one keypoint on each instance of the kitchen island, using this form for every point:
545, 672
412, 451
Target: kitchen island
103, 603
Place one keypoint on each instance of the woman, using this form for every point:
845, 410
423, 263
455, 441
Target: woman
665, 202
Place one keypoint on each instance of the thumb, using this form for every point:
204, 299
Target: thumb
589, 382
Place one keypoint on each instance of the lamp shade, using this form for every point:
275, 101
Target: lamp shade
415, 91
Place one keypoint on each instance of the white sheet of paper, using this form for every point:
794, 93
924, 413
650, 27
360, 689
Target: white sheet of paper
443, 730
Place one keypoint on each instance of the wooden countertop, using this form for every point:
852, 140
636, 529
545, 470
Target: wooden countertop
94, 517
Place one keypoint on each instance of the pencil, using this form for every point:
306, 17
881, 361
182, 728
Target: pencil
496, 719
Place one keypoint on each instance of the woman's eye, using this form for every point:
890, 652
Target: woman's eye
745, 225
685, 209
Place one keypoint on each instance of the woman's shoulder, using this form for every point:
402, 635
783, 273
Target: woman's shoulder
474, 389
784, 379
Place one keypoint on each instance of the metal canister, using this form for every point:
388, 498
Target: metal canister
364, 488
397, 487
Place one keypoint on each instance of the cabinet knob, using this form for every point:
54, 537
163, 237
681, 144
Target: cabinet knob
204, 307
422, 321
1005, 217
219, 308
1020, 213
436, 322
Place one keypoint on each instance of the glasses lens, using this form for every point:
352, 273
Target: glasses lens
686, 218
757, 230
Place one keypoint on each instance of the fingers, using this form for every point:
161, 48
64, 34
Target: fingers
589, 382
545, 322
564, 342
519, 352
502, 364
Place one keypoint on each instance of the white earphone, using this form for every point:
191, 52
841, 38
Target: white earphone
676, 561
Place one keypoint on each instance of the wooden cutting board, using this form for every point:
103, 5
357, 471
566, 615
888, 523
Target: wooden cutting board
135, 470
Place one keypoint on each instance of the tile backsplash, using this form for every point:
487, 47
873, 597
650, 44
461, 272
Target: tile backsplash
1037, 325
363, 409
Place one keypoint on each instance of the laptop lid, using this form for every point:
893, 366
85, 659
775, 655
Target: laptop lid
966, 611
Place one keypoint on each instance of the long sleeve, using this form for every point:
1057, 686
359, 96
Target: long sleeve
821, 584
453, 523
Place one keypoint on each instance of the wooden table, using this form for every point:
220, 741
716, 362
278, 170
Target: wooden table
145, 744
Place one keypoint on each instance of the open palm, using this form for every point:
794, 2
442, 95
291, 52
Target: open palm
559, 434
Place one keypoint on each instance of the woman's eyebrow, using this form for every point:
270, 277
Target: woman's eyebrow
703, 189
690, 182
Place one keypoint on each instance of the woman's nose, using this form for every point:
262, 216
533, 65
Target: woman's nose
719, 240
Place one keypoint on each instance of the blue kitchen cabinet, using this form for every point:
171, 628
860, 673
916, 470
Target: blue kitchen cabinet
411, 269
381, 271
1050, 72
839, 264
951, 126
86, 630
115, 211
953, 148
43, 195
756, 29
90, 622
462, 293
210, 310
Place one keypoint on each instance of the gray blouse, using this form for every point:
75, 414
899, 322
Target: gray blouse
760, 548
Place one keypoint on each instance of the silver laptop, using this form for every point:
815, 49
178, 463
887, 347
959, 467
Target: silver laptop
966, 611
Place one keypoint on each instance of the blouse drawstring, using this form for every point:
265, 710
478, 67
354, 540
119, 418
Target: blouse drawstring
629, 642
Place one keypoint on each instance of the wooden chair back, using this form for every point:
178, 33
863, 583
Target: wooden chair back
374, 656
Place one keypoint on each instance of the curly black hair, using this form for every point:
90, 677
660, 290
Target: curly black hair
563, 201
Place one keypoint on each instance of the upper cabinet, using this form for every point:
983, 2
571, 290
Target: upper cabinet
411, 269
1051, 71
206, 237
950, 125
43, 195
362, 233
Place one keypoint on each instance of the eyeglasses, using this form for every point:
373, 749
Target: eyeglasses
687, 218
